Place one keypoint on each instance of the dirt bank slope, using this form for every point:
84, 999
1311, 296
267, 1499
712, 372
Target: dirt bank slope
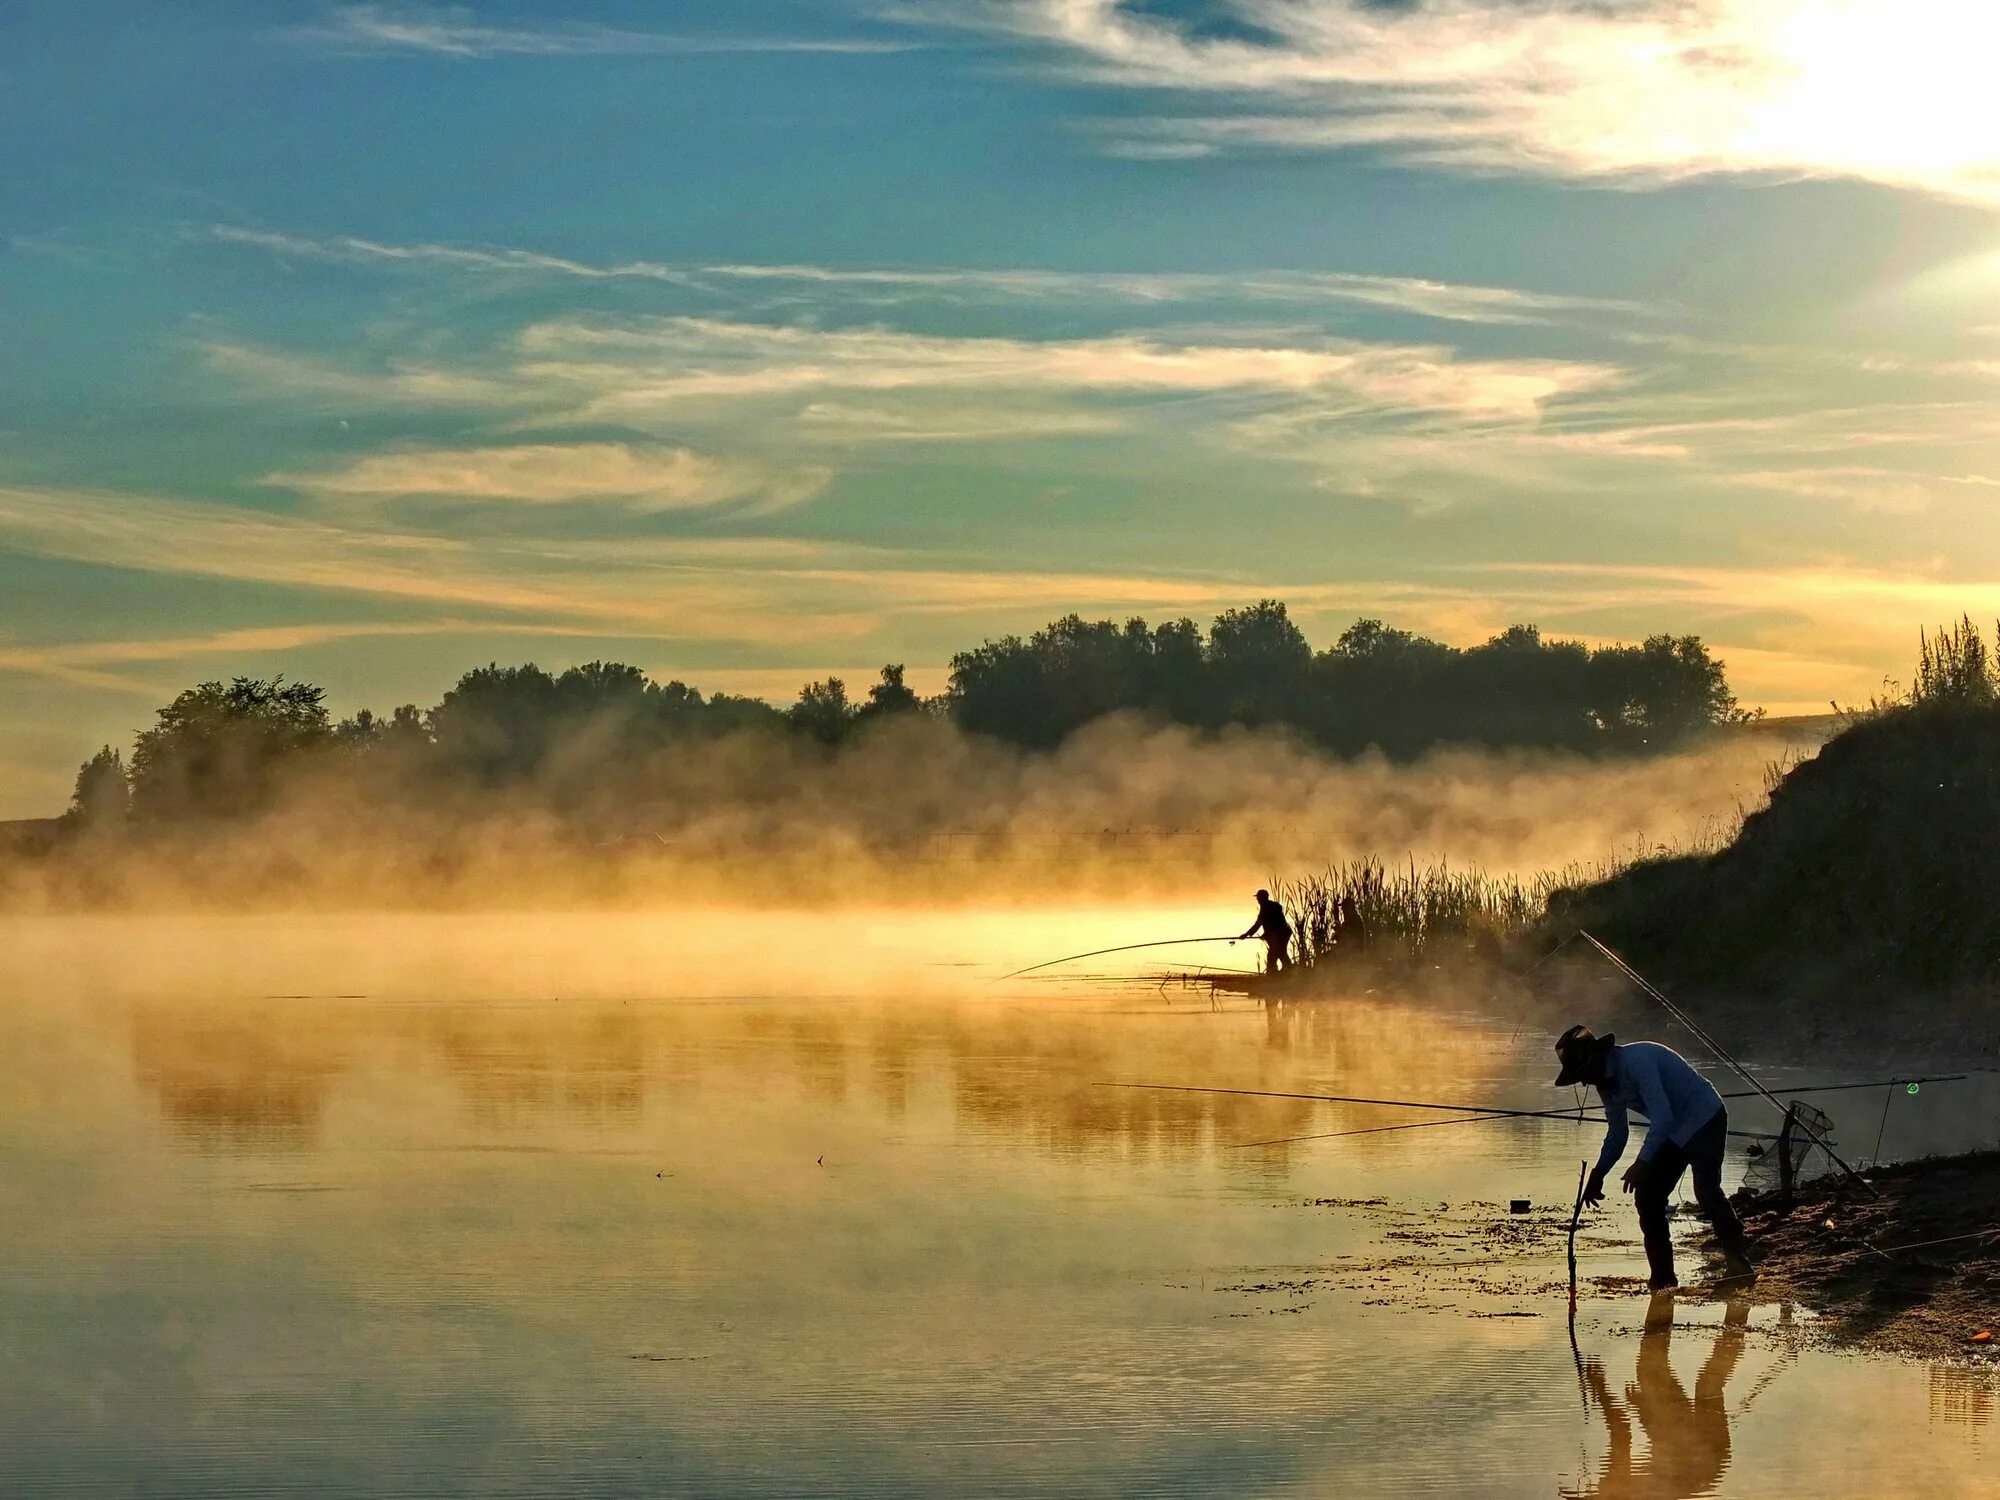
1915, 1271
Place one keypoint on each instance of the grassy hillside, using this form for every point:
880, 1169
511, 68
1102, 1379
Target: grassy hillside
1876, 860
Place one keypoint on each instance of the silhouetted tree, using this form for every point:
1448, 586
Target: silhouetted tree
598, 739
890, 696
1658, 694
218, 750
1258, 663
496, 724
822, 711
1376, 686
103, 796
1518, 689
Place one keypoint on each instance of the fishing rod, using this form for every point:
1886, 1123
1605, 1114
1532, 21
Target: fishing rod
1499, 1114
1837, 1088
1733, 1065
1494, 1111
1488, 1110
1125, 948
1334, 1135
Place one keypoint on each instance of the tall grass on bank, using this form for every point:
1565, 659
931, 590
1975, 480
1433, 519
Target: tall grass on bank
1423, 912
1408, 911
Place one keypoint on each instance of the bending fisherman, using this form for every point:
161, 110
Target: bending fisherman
1687, 1127
1277, 933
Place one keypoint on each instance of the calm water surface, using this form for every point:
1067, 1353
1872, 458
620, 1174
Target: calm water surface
703, 1205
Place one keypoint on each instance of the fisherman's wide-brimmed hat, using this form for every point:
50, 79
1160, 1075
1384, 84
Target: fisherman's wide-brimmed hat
1580, 1052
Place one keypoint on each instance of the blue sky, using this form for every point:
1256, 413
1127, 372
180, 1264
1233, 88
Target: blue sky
755, 340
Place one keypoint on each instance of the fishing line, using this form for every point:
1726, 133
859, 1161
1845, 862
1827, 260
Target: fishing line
1334, 1135
1724, 1056
1498, 1114
1457, 1109
1484, 1111
1123, 948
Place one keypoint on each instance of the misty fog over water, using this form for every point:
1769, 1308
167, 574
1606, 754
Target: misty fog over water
763, 1202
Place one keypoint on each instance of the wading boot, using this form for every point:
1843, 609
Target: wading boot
1736, 1264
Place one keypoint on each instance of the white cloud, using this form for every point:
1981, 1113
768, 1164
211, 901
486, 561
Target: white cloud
1863, 488
398, 384
84, 663
1636, 91
354, 250
636, 372
644, 477
455, 31
755, 590
1447, 301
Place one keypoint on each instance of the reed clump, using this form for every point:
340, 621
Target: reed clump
1413, 911
1422, 912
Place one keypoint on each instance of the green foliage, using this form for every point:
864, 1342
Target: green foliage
889, 697
1375, 687
1658, 693
216, 750
1258, 663
595, 738
822, 712
510, 724
103, 797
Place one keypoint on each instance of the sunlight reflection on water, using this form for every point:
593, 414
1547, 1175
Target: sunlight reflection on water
722, 1206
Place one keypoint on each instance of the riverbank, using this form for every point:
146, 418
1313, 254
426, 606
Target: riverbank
1914, 1271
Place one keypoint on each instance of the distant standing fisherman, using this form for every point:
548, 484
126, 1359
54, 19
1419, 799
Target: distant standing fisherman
1276, 931
1687, 1127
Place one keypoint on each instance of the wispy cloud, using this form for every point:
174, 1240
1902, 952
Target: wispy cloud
85, 663
635, 371
644, 477
1793, 633
456, 31
697, 587
791, 387
755, 591
353, 250
397, 384
1640, 91
1419, 296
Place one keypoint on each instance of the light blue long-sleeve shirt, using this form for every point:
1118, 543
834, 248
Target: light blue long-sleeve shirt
1662, 1085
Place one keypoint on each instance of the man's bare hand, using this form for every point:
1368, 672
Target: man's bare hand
1593, 1190
1632, 1176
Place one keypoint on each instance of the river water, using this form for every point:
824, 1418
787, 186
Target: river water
700, 1204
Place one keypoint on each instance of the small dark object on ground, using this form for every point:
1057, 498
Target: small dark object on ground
1519, 1206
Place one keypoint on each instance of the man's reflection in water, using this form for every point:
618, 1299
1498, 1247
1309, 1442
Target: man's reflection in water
1687, 1438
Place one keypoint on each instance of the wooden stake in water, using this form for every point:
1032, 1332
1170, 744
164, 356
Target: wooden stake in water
1575, 1213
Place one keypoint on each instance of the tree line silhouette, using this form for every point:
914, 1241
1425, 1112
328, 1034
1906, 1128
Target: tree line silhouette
228, 748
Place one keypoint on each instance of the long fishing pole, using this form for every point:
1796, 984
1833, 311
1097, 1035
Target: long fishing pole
1492, 1111
1334, 1135
1456, 1109
1502, 1114
1722, 1053
1125, 948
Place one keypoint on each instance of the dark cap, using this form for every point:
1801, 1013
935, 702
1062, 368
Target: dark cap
1581, 1053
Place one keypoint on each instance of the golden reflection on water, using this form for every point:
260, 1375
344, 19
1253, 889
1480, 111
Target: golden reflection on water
1686, 1436
1963, 1395
237, 1074
574, 1209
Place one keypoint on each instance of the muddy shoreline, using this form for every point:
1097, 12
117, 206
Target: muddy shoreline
1913, 1270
